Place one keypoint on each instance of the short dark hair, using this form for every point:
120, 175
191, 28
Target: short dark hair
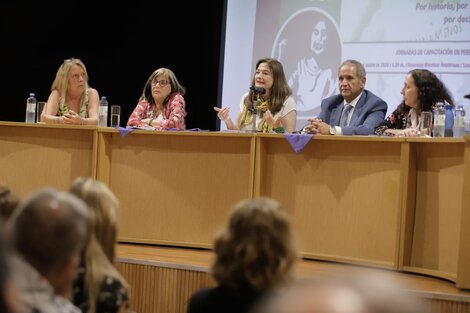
49, 227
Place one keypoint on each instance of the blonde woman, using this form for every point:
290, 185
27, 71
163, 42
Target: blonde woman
72, 101
99, 287
254, 255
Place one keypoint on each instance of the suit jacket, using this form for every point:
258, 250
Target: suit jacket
370, 110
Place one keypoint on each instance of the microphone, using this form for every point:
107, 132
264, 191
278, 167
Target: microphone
258, 90
467, 96
255, 91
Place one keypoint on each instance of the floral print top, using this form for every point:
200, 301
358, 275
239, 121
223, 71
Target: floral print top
173, 115
112, 295
396, 120
64, 109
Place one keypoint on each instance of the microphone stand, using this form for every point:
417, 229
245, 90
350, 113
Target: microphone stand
256, 91
254, 113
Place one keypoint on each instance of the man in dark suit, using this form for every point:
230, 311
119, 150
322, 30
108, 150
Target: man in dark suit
355, 111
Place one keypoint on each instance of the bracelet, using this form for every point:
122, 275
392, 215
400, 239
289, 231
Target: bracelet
279, 129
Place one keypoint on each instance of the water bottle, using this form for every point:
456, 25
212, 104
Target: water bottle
439, 120
103, 113
30, 109
459, 121
449, 122
467, 126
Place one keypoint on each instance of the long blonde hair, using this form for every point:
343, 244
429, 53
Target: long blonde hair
62, 76
100, 251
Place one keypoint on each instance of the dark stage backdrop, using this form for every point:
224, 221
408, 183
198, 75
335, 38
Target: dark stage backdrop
120, 46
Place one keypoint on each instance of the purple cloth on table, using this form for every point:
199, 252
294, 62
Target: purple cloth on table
124, 131
298, 141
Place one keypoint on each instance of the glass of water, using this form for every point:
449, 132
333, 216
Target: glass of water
40, 109
115, 115
425, 124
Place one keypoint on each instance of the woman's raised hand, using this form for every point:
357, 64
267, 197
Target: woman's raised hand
222, 113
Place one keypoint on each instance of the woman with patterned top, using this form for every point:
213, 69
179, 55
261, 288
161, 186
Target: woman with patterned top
99, 288
269, 102
72, 101
161, 105
421, 91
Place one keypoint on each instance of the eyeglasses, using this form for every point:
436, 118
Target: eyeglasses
78, 76
162, 82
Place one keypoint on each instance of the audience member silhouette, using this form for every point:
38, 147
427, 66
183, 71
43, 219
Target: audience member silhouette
48, 232
99, 288
253, 255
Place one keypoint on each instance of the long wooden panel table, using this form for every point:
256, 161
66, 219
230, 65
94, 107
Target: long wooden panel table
38, 155
396, 203
343, 193
176, 187
438, 244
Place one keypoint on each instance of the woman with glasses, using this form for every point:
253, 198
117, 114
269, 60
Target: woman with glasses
161, 105
268, 106
72, 101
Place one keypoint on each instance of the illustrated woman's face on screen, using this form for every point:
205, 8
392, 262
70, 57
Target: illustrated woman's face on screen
318, 40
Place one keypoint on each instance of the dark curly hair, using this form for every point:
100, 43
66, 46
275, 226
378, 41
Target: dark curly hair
430, 90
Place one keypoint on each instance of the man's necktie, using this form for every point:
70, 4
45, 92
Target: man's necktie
344, 116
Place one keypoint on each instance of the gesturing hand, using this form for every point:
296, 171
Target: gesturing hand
222, 113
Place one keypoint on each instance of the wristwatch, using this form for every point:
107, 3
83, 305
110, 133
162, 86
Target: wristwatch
332, 130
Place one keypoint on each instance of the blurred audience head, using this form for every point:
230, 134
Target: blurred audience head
8, 202
48, 231
358, 292
256, 250
103, 209
99, 252
9, 302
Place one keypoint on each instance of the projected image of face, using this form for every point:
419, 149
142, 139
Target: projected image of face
318, 37
309, 47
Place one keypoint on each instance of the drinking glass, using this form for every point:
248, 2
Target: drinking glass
425, 124
39, 110
115, 115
